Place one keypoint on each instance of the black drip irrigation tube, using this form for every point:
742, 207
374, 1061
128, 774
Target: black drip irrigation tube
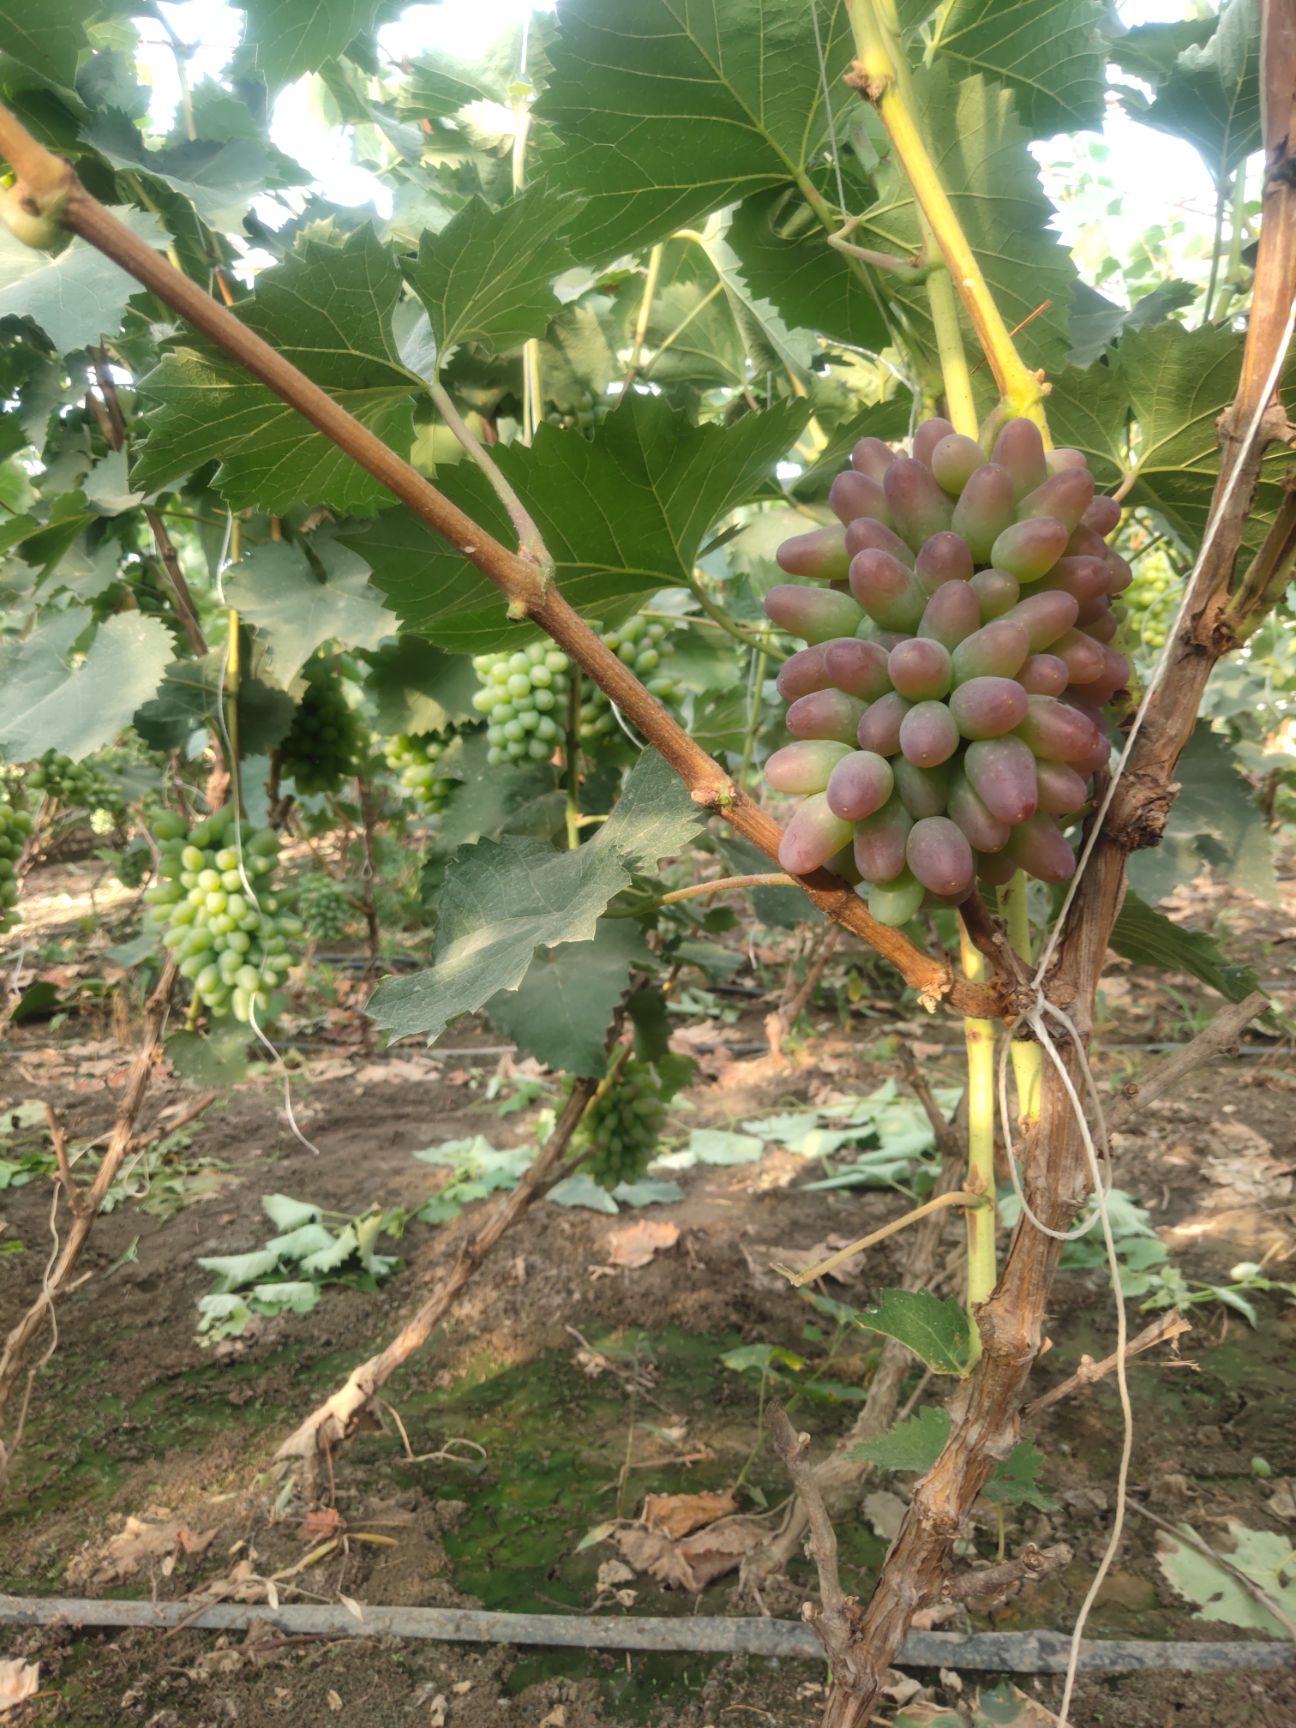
998, 1652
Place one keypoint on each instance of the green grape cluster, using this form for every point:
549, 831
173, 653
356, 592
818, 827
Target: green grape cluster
324, 907
233, 946
15, 826
1151, 599
414, 759
76, 785
326, 740
524, 694
623, 1125
948, 706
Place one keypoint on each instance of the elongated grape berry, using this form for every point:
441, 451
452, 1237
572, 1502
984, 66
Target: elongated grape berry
859, 784
813, 614
804, 767
938, 854
928, 735
812, 836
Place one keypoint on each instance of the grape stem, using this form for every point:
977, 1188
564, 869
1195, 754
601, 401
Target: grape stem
726, 885
881, 76
975, 1204
530, 539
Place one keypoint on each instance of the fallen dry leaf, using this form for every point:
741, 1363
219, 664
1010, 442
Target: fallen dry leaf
694, 1561
557, 1717
635, 1246
676, 1514
335, 1703
18, 1680
138, 1544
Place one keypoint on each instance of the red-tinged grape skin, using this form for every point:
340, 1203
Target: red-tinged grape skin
860, 784
820, 555
988, 707
885, 639
1103, 628
1066, 496
1113, 677
985, 509
879, 726
1084, 543
996, 591
868, 535
1095, 760
804, 767
1084, 657
857, 667
1029, 550
919, 508
996, 650
952, 613
853, 495
1001, 772
1103, 515
954, 461
825, 714
1020, 449
1058, 460
928, 735
812, 837
1041, 850
996, 869
922, 791
985, 832
1061, 790
871, 456
1043, 675
938, 855
1083, 577
1121, 574
843, 864
1046, 615
920, 668
943, 558
928, 436
814, 614
895, 903
1057, 732
890, 594
880, 842
803, 672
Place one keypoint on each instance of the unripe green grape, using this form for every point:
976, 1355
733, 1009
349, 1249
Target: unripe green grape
325, 743
897, 901
414, 760
15, 825
324, 906
622, 1125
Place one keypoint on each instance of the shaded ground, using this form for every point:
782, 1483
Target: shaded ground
582, 1386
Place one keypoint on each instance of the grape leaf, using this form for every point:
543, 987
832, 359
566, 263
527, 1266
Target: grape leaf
1263, 1555
485, 277
48, 38
1148, 938
328, 310
667, 109
671, 481
1215, 821
275, 588
561, 1011
505, 898
1212, 95
77, 297
48, 701
189, 698
416, 688
914, 1444
453, 74
289, 37
1047, 52
1096, 322
936, 1331
216, 1058
1014, 1482
792, 267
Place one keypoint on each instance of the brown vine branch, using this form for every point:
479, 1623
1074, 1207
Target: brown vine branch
981, 1588
1163, 1330
85, 1209
47, 186
1222, 1033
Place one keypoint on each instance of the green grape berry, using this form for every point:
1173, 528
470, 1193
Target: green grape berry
415, 760
15, 827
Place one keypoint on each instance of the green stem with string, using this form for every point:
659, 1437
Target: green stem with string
1027, 1057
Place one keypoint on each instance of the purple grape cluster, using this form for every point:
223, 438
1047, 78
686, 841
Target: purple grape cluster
947, 710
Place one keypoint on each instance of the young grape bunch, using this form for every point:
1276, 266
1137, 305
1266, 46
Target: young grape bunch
947, 708
415, 759
15, 826
324, 907
325, 743
235, 947
76, 786
524, 694
623, 1126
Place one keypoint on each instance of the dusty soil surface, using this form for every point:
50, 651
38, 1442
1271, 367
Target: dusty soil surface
565, 1387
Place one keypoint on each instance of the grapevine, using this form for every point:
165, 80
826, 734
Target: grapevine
947, 710
524, 694
15, 826
623, 1124
324, 907
232, 944
415, 759
326, 740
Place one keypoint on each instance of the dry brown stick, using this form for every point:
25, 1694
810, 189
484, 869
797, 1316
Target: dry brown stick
335, 1420
1223, 1032
160, 1131
47, 186
18, 1344
1168, 1326
833, 1619
949, 1143
1029, 1566
795, 998
367, 901
59, 1140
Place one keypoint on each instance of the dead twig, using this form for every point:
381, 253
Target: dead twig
995, 1582
1163, 1330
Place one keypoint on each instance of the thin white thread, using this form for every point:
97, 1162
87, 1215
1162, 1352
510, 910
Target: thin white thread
1163, 659
832, 125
